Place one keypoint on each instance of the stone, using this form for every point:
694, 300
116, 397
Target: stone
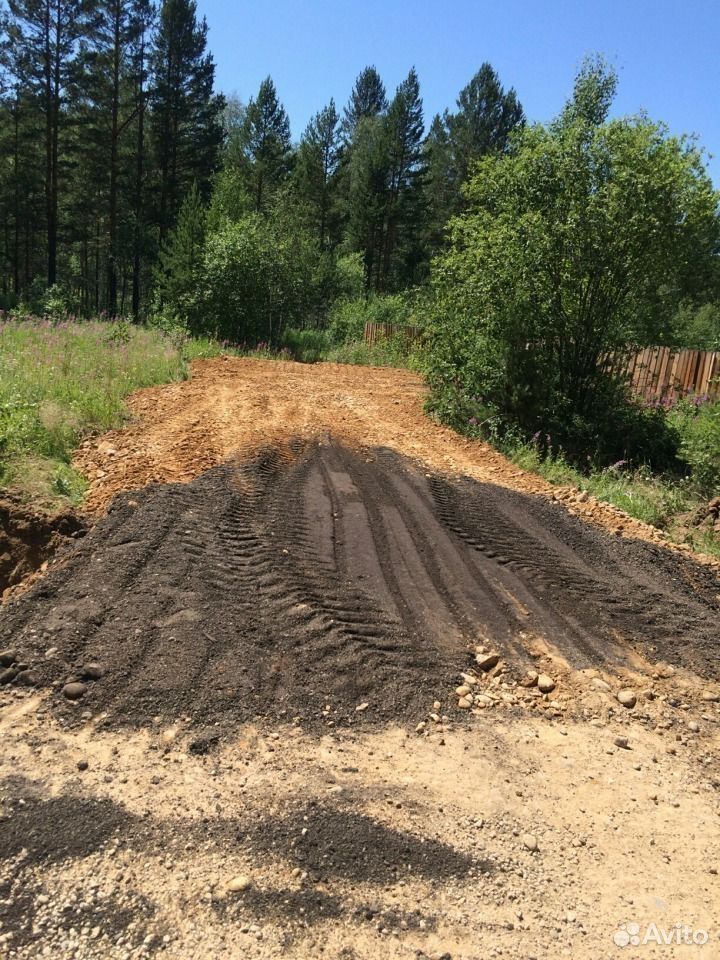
627, 698
8, 675
464, 703
621, 742
361, 707
582, 497
74, 691
530, 679
82, 765
600, 684
93, 671
530, 842
239, 884
437, 705
694, 726
711, 696
462, 691
8, 658
486, 661
545, 683
28, 678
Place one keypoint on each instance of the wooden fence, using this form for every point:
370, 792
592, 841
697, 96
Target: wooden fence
375, 332
660, 373
656, 373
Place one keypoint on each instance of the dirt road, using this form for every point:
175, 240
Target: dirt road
327, 681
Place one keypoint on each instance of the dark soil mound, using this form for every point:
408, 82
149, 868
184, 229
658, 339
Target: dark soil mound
315, 575
28, 539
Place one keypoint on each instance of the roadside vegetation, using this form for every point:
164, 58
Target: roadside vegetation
61, 381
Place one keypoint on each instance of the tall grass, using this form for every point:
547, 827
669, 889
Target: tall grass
60, 381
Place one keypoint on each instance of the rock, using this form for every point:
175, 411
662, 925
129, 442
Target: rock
545, 683
437, 705
582, 497
93, 671
711, 696
8, 675
621, 742
82, 765
627, 698
464, 703
239, 884
8, 658
530, 842
530, 679
694, 726
600, 684
361, 707
664, 671
74, 691
486, 661
28, 678
469, 680
462, 691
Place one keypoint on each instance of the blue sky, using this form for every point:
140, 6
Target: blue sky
667, 52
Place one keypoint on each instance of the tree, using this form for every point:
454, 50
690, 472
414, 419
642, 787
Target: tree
576, 246
187, 128
368, 175
316, 171
266, 141
367, 100
178, 271
485, 118
405, 128
43, 35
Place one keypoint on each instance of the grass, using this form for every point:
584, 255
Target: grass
62, 381
662, 502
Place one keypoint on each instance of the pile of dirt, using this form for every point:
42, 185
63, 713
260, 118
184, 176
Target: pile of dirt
29, 539
321, 582
235, 404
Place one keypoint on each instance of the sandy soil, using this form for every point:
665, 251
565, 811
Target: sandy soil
350, 687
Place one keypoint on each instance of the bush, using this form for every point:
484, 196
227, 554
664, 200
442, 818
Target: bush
698, 427
347, 318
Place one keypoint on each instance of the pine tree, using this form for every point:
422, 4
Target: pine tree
441, 189
181, 255
485, 118
317, 168
266, 143
405, 128
368, 177
368, 99
44, 36
187, 130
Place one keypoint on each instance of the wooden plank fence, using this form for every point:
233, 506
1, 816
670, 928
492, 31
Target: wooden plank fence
656, 373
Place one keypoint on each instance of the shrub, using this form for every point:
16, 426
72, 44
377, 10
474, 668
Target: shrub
698, 427
347, 318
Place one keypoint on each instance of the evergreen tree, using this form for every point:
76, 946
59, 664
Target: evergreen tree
187, 129
368, 99
485, 118
405, 128
368, 175
43, 38
181, 256
317, 169
266, 143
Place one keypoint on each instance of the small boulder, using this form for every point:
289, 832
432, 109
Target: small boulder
530, 842
8, 658
8, 675
545, 683
627, 698
464, 703
239, 884
93, 671
74, 691
486, 661
28, 678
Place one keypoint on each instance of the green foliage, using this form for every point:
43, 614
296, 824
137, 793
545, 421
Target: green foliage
178, 271
698, 426
577, 244
265, 138
61, 381
256, 281
347, 318
698, 327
